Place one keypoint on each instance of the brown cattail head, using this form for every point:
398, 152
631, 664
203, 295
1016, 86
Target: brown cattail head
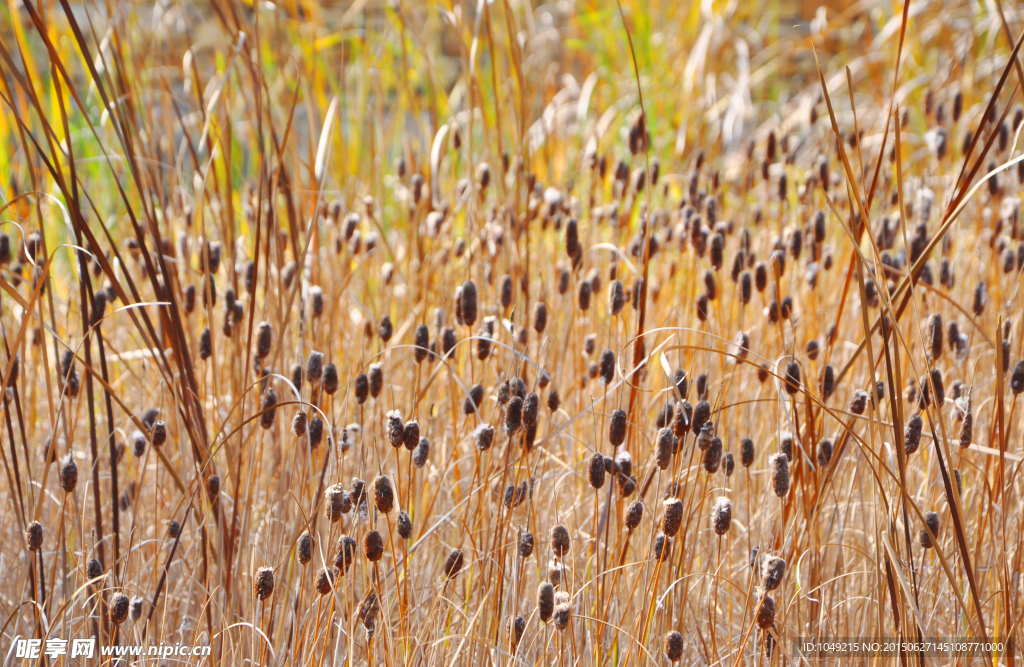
404, 525
662, 547
299, 423
712, 458
766, 612
721, 516
304, 548
213, 487
778, 467
173, 529
267, 408
324, 581
912, 433
792, 383
1017, 378
94, 569
824, 453
967, 427
513, 415
383, 494
515, 630
931, 523
453, 564
119, 607
560, 540
263, 583
701, 415
531, 408
607, 366
394, 427
673, 646
540, 317
314, 367
136, 607
859, 402
34, 536
422, 339
264, 339
773, 570
617, 427
666, 446
545, 601
596, 471
345, 553
421, 453
373, 546
562, 615
747, 452
672, 516
159, 433
525, 543
634, 514
329, 381
315, 431
69, 474
484, 437
385, 329
367, 611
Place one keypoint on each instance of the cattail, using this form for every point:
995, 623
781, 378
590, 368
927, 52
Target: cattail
173, 529
531, 407
119, 607
616, 297
701, 415
545, 601
516, 628
420, 454
730, 464
935, 335
385, 329
334, 502
624, 462
373, 546
304, 548
135, 607
926, 388
746, 452
773, 570
931, 523
404, 525
394, 428
263, 583
367, 611
213, 487
329, 382
824, 452
264, 339
513, 415
158, 436
673, 646
766, 612
506, 291
453, 564
617, 427
562, 616
267, 409
1017, 378
596, 471
792, 378
315, 431
778, 465
484, 437
828, 382
721, 516
411, 434
559, 540
672, 516
665, 447
376, 379
634, 514
345, 553
967, 427
572, 240
584, 294
299, 422
34, 536
69, 474
713, 456
422, 343
383, 494
324, 581
525, 543
94, 569
662, 547
859, 402
980, 298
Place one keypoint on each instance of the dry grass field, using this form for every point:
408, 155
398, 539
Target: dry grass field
498, 333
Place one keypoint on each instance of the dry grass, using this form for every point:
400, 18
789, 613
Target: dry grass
421, 212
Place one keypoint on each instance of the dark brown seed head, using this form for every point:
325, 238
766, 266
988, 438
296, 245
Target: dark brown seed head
616, 297
34, 536
453, 564
545, 601
515, 630
859, 402
314, 367
297, 377
746, 452
422, 343
263, 583
931, 523
334, 502
299, 423
766, 612
666, 446
358, 491
315, 430
721, 516
385, 329
373, 546
607, 367
304, 548
513, 415
525, 544
828, 381
634, 514
94, 569
531, 408
540, 317
213, 487
792, 378
912, 433
1017, 378
624, 462
69, 474
368, 609
324, 581
596, 471
562, 615
662, 547
672, 516
420, 454
376, 377
383, 494
560, 540
173, 529
119, 607
778, 466
159, 433
330, 379
506, 291
404, 524
673, 646
824, 453
773, 570
967, 427
267, 408
484, 437
345, 553
411, 435
701, 415
617, 427
264, 339
713, 456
